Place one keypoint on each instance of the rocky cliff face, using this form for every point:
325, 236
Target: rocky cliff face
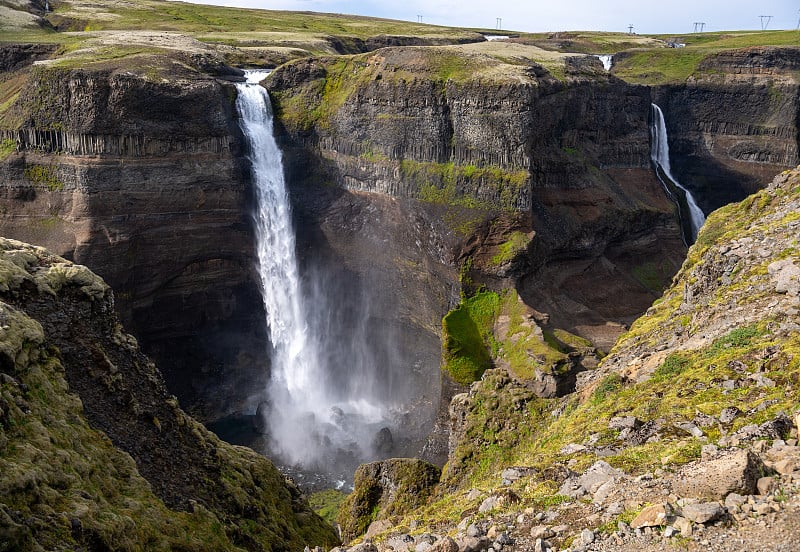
735, 123
96, 454
568, 161
140, 177
686, 432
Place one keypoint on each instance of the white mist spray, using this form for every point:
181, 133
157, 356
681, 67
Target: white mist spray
659, 154
316, 416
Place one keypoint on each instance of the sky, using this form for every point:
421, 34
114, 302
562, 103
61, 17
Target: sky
646, 16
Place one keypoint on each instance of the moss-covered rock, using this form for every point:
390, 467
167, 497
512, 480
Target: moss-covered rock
384, 489
93, 451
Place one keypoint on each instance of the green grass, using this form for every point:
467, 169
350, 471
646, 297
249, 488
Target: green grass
675, 65
661, 66
7, 147
46, 176
327, 503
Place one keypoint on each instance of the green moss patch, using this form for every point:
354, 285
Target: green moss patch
516, 243
44, 176
467, 337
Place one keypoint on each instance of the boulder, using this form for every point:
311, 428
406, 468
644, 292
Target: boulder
445, 544
593, 479
703, 512
377, 527
765, 485
473, 544
735, 471
652, 516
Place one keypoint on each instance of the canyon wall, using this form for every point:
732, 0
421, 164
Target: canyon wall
415, 173
143, 180
566, 162
735, 123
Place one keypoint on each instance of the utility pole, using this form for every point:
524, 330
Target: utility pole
764, 24
630, 29
499, 23
419, 19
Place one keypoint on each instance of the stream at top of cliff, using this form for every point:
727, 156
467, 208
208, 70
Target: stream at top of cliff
331, 401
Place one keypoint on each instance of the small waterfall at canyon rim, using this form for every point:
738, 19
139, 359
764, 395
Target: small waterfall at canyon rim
659, 154
323, 406
607, 60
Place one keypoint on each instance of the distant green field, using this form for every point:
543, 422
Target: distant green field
669, 65
269, 37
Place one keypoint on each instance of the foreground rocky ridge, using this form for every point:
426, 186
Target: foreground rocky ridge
686, 433
94, 453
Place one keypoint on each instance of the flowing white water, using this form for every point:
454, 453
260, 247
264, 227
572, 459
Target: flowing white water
314, 415
607, 61
659, 154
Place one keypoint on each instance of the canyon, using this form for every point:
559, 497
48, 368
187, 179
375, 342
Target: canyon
419, 178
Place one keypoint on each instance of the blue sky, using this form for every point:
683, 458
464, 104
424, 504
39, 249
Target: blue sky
664, 16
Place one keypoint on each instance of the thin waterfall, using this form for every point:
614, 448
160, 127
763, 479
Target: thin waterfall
659, 154
314, 415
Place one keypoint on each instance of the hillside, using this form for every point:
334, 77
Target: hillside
96, 455
692, 408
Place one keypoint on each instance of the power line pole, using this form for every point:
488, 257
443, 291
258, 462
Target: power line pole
764, 25
630, 29
419, 19
499, 23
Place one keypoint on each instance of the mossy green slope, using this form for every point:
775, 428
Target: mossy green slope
153, 478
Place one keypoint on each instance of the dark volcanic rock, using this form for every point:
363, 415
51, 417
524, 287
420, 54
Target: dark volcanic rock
143, 181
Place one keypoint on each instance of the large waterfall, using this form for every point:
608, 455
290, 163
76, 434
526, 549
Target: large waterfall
320, 408
659, 154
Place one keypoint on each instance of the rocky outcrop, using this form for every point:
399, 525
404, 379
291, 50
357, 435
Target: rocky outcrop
141, 179
96, 453
734, 125
384, 489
